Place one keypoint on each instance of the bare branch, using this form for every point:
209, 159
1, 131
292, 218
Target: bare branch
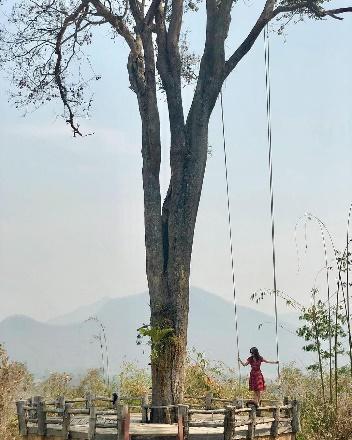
116, 22
58, 68
268, 14
122, 17
264, 18
335, 12
311, 7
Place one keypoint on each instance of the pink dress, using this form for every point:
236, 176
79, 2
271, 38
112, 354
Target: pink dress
256, 378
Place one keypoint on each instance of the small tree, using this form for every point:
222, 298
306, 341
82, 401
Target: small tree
93, 382
344, 264
322, 335
56, 385
318, 332
45, 40
316, 324
15, 383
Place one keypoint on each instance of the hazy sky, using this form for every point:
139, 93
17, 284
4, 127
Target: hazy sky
71, 220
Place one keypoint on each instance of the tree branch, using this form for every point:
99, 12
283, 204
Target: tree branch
211, 72
77, 17
58, 70
151, 12
268, 14
137, 13
335, 12
169, 68
264, 18
121, 17
116, 22
318, 12
173, 34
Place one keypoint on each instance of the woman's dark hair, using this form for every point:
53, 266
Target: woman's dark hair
255, 354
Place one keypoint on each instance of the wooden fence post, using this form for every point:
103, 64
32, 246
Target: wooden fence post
127, 421
251, 424
209, 400
119, 410
182, 422
145, 401
286, 403
41, 414
66, 421
229, 423
21, 414
89, 400
122, 422
92, 421
170, 415
33, 413
295, 423
274, 430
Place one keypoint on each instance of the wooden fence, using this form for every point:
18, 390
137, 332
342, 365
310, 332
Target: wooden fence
37, 416
278, 416
208, 401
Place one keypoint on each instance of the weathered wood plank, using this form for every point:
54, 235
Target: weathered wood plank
295, 424
274, 430
183, 422
252, 424
21, 415
92, 421
145, 402
66, 421
41, 414
209, 400
229, 424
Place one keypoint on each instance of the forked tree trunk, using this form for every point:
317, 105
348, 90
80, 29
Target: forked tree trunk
169, 228
168, 280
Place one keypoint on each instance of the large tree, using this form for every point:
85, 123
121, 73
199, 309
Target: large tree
43, 44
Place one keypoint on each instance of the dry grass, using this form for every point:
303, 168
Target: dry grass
319, 420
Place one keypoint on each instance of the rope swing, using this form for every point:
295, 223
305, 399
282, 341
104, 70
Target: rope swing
230, 239
269, 139
270, 159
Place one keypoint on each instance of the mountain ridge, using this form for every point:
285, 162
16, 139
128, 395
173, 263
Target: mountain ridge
70, 346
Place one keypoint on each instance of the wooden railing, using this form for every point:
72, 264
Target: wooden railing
286, 416
208, 401
36, 415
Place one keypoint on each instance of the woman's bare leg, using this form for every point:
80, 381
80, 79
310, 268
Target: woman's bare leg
257, 397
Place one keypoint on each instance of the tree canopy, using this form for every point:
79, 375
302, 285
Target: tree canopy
43, 43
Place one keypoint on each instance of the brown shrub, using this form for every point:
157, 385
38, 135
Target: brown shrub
15, 383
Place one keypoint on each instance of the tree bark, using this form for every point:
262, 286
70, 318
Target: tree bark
169, 229
170, 304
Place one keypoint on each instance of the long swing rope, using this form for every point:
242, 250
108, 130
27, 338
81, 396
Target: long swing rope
269, 139
231, 242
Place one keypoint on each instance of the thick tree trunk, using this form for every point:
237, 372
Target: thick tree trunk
170, 305
168, 367
169, 230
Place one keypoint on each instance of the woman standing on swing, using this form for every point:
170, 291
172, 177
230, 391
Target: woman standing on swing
256, 378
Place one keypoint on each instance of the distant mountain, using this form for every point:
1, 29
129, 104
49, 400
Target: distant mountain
81, 313
67, 343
